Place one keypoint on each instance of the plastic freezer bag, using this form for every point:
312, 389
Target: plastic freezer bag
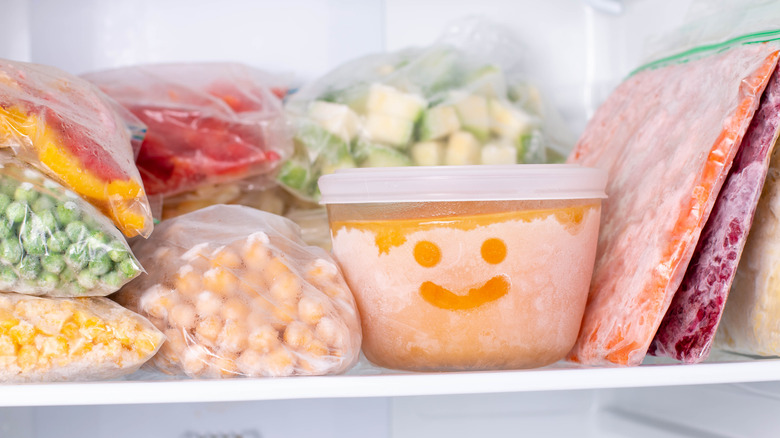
688, 329
67, 128
237, 293
667, 137
751, 320
207, 123
463, 100
54, 243
59, 339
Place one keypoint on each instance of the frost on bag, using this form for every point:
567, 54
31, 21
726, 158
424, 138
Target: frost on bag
237, 293
667, 136
460, 101
207, 123
54, 243
65, 339
67, 128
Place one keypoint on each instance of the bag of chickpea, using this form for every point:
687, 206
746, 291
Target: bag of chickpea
58, 339
238, 293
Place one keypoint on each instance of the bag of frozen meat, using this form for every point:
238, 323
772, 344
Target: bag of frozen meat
67, 128
206, 123
65, 339
463, 100
237, 293
676, 217
54, 243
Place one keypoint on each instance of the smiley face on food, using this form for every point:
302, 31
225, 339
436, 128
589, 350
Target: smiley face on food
428, 255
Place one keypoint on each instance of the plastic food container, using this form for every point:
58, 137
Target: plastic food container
466, 267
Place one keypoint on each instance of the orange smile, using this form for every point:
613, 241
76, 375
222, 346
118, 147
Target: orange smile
440, 297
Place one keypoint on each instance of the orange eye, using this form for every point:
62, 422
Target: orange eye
427, 254
494, 251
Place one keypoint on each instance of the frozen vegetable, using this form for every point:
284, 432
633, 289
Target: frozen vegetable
59, 339
687, 330
71, 131
54, 243
667, 137
460, 101
207, 123
237, 293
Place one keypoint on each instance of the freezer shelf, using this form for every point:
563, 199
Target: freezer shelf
367, 383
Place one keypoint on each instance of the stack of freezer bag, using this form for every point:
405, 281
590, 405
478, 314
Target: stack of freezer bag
687, 143
457, 102
54, 243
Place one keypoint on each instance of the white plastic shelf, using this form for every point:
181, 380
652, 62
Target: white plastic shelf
367, 383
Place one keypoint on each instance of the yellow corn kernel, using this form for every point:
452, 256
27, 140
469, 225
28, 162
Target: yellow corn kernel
27, 357
7, 346
22, 333
7, 323
70, 330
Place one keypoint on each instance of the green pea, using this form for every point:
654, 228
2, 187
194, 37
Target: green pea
43, 203
16, 212
5, 201
8, 186
10, 251
48, 220
100, 264
7, 277
113, 280
97, 241
67, 276
29, 268
48, 281
58, 242
53, 263
77, 289
26, 192
6, 228
129, 268
34, 244
76, 256
118, 252
66, 213
87, 279
76, 231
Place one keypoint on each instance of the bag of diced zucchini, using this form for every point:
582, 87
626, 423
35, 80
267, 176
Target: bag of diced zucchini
463, 100
54, 243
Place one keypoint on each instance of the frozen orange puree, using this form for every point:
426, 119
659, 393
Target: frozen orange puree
479, 291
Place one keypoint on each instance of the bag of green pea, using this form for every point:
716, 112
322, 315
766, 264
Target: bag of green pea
54, 243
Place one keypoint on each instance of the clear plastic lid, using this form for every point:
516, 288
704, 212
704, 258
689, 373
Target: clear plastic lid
462, 183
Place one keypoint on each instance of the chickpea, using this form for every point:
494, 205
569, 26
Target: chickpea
250, 363
279, 363
220, 281
195, 360
209, 328
183, 316
235, 309
157, 301
188, 282
263, 339
286, 288
329, 331
226, 258
208, 303
233, 336
174, 345
311, 309
297, 335
256, 254
223, 367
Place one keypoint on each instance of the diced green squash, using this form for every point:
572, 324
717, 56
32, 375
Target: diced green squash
498, 153
473, 113
294, 175
438, 122
389, 130
336, 118
508, 121
383, 156
462, 148
489, 81
388, 101
428, 153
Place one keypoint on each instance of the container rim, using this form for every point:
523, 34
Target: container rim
516, 182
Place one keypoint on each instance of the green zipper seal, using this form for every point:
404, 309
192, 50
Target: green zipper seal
701, 51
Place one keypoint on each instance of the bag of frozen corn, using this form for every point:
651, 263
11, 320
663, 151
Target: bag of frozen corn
67, 128
462, 100
63, 339
54, 243
237, 293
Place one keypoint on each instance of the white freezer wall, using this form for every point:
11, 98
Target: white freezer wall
575, 51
